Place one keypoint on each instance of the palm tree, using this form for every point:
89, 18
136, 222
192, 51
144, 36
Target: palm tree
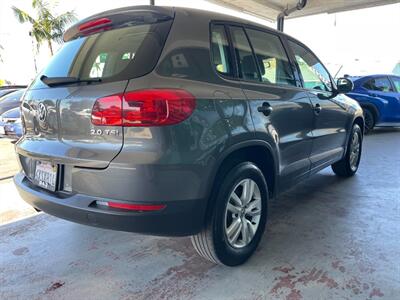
46, 27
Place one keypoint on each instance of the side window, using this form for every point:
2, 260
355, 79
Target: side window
315, 76
396, 81
221, 57
246, 64
271, 58
379, 84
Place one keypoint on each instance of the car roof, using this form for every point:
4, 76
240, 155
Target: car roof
168, 10
361, 79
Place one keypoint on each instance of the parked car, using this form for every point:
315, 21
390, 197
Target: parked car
4, 90
379, 96
177, 122
10, 124
10, 101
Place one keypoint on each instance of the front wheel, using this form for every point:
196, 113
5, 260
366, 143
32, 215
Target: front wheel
238, 219
348, 166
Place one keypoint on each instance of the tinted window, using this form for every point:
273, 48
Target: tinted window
379, 84
246, 64
220, 50
396, 81
98, 55
271, 58
110, 55
315, 76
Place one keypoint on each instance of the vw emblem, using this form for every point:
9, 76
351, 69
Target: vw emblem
42, 112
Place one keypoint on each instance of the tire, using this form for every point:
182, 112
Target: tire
369, 120
212, 242
348, 166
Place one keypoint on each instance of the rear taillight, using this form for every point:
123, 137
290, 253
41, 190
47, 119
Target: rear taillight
142, 108
108, 111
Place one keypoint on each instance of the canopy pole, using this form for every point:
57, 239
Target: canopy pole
281, 17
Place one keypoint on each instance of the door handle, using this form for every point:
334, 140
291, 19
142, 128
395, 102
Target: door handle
265, 108
317, 108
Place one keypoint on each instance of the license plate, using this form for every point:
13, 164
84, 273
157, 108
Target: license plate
2, 131
46, 175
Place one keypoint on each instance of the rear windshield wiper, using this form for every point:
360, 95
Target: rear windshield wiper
54, 81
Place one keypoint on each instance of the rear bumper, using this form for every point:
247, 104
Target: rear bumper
178, 218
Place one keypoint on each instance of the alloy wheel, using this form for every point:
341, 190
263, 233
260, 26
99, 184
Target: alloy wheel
243, 213
355, 147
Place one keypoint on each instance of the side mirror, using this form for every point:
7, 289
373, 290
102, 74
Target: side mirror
344, 86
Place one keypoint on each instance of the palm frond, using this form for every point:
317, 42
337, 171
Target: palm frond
66, 18
60, 23
22, 16
46, 27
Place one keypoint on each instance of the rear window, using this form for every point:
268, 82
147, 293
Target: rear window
113, 55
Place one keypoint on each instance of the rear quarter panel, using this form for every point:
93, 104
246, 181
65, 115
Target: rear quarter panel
181, 160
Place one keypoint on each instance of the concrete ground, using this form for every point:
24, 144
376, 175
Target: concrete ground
328, 238
8, 162
15, 209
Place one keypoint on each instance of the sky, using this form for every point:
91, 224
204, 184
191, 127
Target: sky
358, 42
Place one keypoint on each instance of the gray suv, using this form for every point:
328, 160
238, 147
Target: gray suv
181, 122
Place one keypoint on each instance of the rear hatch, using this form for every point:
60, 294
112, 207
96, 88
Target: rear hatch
100, 55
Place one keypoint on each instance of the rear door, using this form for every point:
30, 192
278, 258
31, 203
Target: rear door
57, 118
382, 89
280, 109
331, 118
396, 102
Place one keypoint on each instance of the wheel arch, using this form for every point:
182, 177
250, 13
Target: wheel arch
360, 122
371, 107
257, 151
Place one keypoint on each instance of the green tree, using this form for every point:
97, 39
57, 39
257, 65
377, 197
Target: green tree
46, 27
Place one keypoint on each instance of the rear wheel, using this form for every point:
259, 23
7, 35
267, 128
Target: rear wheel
369, 120
238, 218
348, 166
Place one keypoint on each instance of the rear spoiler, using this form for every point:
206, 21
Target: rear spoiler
118, 18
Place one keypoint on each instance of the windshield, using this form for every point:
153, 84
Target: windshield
110, 55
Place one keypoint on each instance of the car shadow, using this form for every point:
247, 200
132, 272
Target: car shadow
384, 130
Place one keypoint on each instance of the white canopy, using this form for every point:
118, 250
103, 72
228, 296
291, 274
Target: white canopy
270, 9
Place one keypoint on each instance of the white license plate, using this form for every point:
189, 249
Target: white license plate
2, 131
46, 175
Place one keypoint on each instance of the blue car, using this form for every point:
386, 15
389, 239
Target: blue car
379, 96
10, 124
